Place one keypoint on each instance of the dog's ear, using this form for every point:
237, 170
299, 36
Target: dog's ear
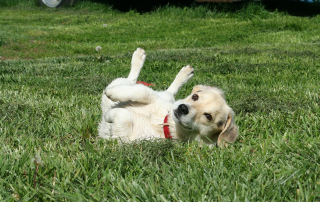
229, 132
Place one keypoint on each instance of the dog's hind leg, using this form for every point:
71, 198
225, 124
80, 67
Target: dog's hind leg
135, 93
138, 58
121, 124
185, 74
107, 105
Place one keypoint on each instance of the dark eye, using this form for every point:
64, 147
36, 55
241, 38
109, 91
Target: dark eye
208, 116
195, 97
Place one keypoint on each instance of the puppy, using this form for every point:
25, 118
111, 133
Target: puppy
133, 111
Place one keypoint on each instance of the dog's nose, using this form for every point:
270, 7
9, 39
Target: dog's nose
183, 109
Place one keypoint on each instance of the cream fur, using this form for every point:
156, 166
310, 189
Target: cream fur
133, 111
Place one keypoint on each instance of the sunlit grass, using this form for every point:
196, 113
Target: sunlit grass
51, 79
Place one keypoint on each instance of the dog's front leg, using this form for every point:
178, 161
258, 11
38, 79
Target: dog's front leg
185, 74
135, 93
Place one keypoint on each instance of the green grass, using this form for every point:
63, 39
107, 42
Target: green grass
51, 79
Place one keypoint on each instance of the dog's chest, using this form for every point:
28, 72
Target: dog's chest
148, 120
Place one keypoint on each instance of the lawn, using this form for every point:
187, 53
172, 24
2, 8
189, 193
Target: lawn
51, 80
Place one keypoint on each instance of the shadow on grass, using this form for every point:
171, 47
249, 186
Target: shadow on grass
148, 6
296, 8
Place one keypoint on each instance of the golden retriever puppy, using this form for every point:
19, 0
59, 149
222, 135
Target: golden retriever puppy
132, 111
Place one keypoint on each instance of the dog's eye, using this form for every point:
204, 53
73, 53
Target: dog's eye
208, 116
195, 97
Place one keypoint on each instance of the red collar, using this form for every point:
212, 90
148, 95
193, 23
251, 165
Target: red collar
144, 83
166, 129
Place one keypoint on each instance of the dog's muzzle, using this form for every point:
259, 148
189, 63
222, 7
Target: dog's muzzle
182, 110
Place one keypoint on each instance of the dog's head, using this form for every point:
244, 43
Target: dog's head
206, 112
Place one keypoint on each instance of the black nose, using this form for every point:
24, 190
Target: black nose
183, 109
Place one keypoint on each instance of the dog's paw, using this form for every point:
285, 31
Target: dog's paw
138, 58
120, 93
186, 73
111, 93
